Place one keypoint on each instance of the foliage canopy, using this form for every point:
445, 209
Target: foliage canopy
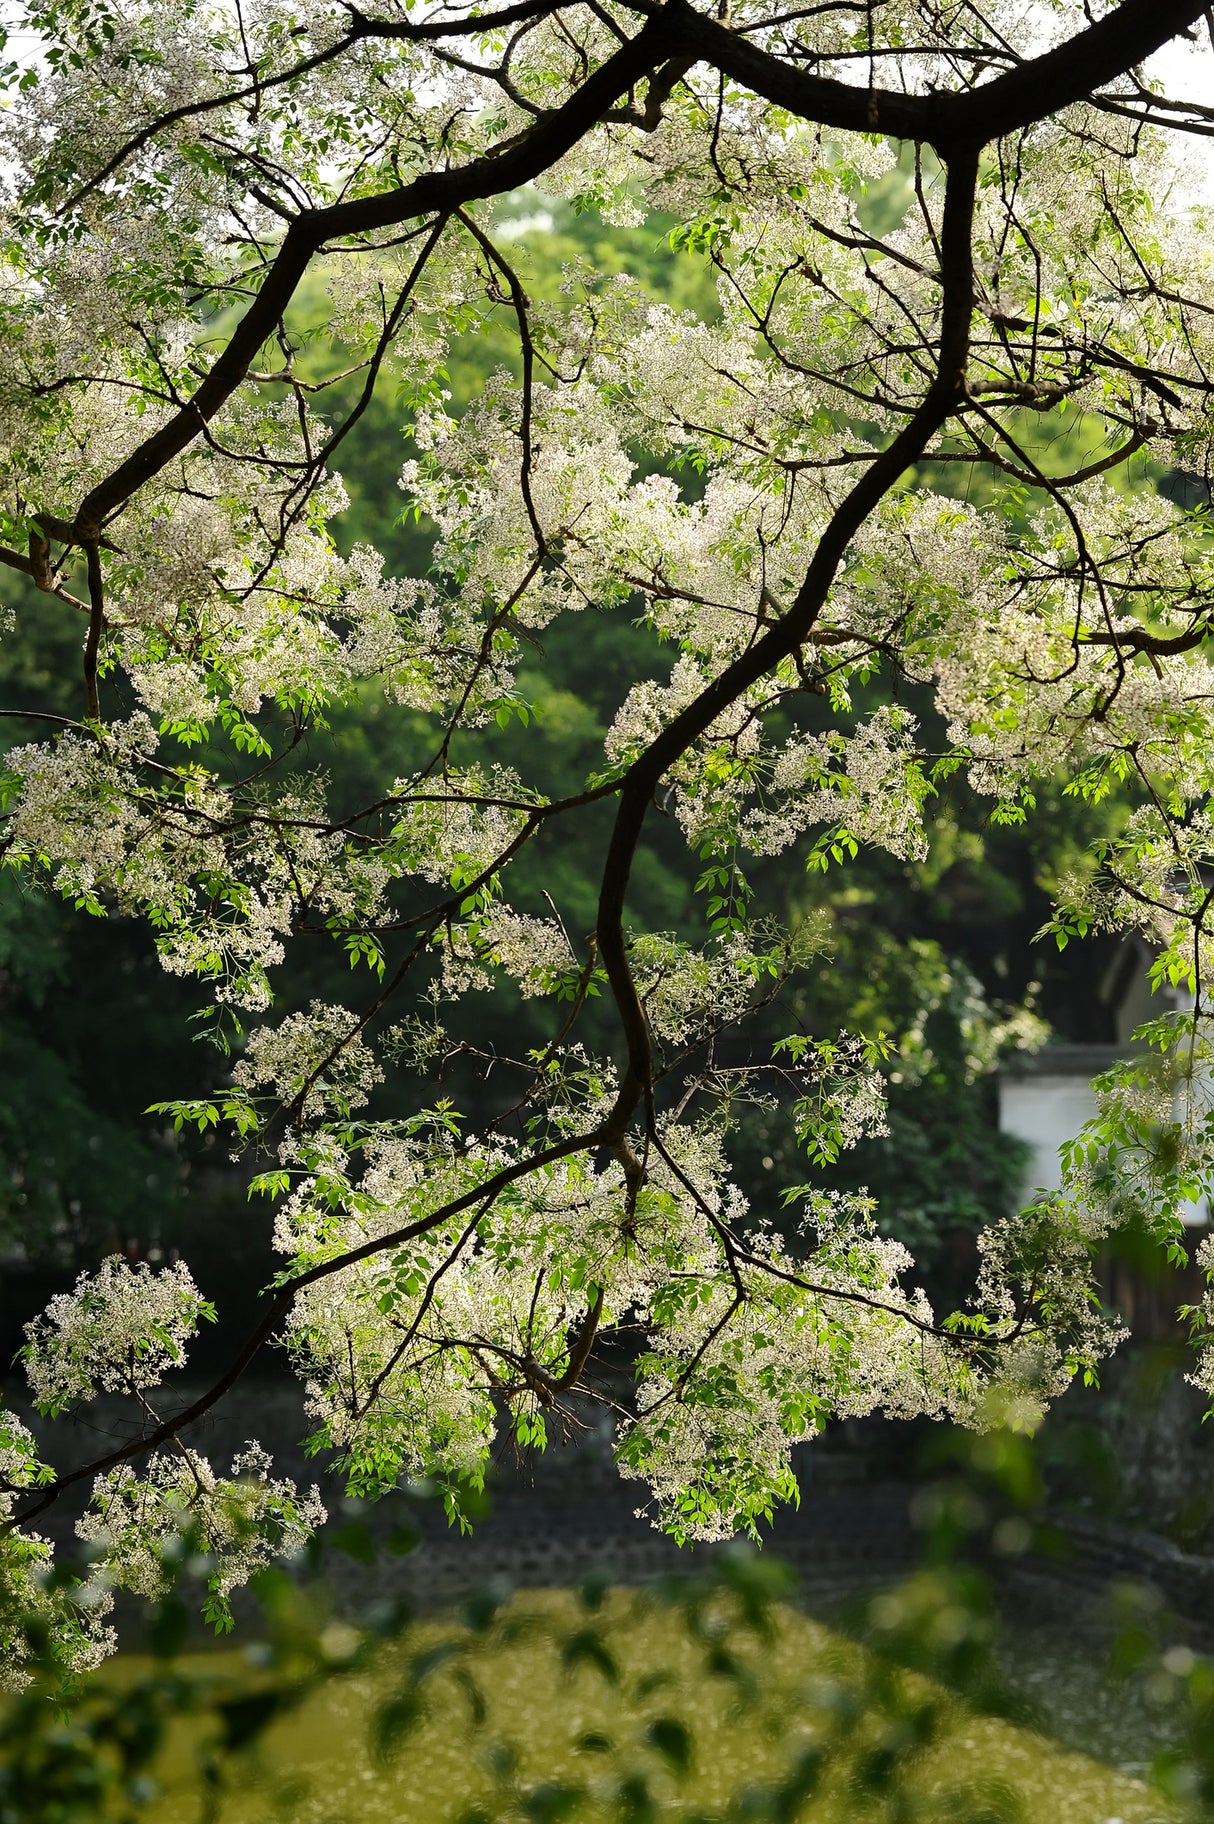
942, 246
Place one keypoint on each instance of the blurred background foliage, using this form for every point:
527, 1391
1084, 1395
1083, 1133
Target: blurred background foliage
712, 1698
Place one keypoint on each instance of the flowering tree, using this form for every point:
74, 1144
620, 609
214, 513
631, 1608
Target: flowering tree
169, 468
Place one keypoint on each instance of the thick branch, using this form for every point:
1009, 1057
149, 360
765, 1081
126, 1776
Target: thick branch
414, 31
1035, 89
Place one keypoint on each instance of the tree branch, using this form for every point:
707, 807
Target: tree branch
439, 192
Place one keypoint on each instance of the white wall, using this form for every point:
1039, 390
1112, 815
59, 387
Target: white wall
1045, 1111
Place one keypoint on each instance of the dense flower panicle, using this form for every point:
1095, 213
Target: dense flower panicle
688, 993
460, 828
73, 1624
1202, 1375
118, 1331
241, 1521
314, 1060
404, 1353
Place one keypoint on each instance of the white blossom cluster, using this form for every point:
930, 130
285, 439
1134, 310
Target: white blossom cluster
534, 951
736, 1376
846, 1103
688, 993
118, 1331
403, 1353
1202, 1375
315, 1060
29, 1608
868, 783
19, 1465
242, 1521
461, 828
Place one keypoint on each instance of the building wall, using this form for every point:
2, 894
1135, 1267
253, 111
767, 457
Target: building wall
1047, 1107
1045, 1111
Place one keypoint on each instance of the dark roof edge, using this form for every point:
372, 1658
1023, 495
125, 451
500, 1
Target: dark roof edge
1067, 1060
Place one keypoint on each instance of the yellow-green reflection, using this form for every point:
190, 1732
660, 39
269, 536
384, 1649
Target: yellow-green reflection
551, 1710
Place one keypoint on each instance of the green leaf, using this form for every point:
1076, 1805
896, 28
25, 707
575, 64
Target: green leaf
672, 1741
